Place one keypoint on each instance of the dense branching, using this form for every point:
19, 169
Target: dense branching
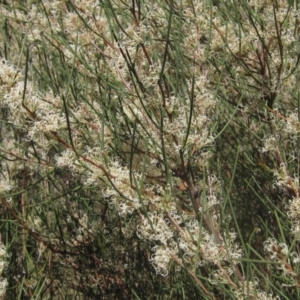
149, 149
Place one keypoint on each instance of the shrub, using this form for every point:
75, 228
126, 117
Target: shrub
150, 150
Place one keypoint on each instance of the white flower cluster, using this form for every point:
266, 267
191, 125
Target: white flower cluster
270, 144
250, 290
161, 259
154, 227
3, 262
144, 116
5, 183
279, 253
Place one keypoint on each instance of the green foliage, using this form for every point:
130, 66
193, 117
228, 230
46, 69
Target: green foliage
149, 150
